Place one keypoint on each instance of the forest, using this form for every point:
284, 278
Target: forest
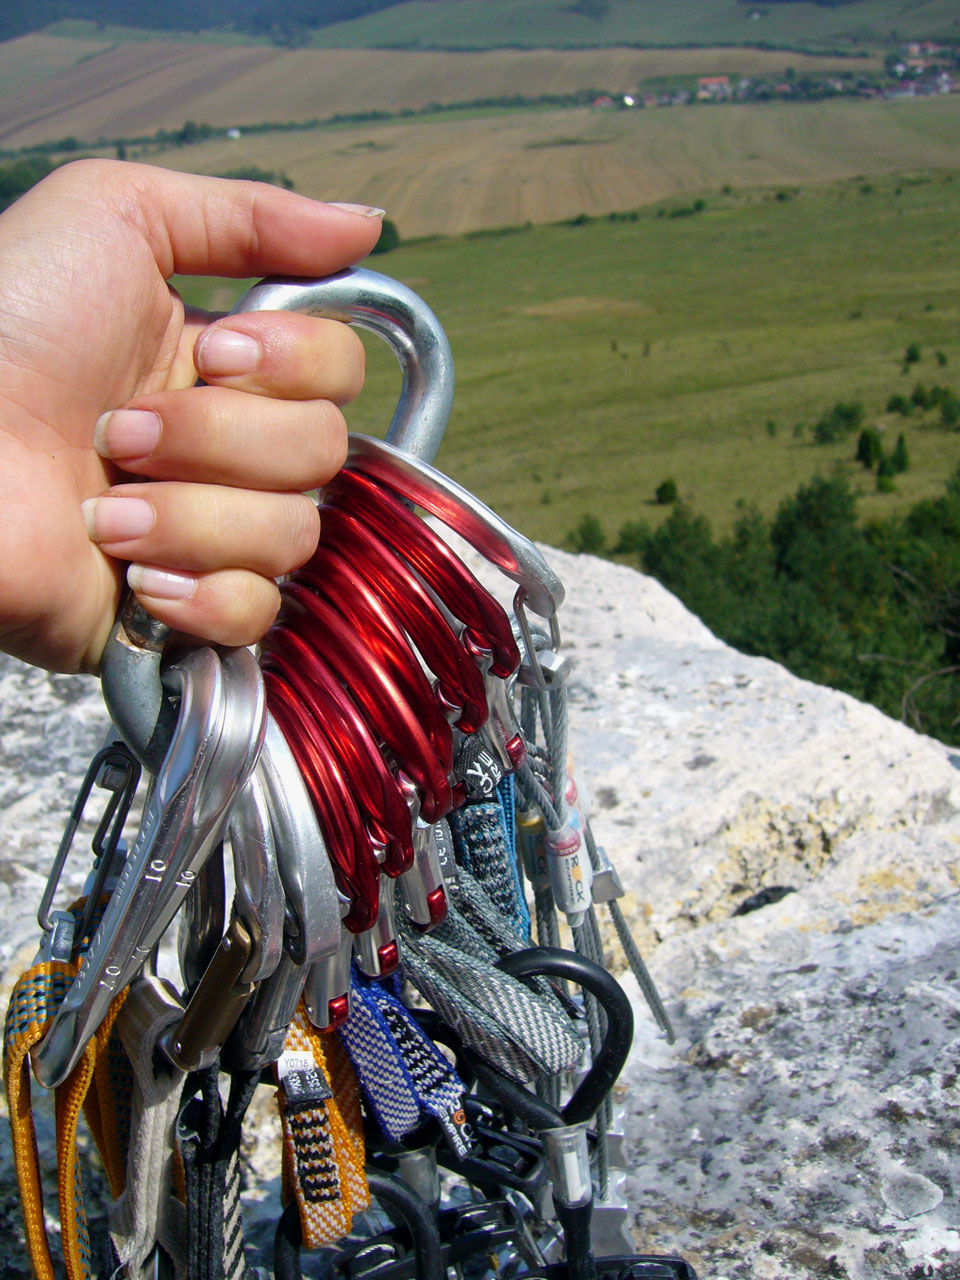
872, 608
256, 17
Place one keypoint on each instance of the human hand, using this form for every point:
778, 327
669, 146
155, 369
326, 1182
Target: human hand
89, 327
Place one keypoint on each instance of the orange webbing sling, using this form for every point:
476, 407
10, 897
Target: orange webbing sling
34, 1000
323, 1149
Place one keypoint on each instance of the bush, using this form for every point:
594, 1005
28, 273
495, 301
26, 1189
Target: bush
923, 398
19, 176
253, 173
688, 210
666, 492
842, 420
192, 133
632, 538
886, 470
681, 553
950, 410
817, 522
901, 405
870, 447
587, 537
911, 355
389, 237
900, 459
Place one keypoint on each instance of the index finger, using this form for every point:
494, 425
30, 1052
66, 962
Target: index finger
197, 225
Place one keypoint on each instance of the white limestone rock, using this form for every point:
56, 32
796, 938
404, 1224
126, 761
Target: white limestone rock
805, 1121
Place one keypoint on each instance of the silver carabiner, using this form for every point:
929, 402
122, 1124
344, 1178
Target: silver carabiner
409, 474
215, 747
394, 313
306, 874
258, 891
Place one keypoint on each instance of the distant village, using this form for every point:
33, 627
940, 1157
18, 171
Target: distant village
918, 69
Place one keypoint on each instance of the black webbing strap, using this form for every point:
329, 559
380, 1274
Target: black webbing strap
209, 1138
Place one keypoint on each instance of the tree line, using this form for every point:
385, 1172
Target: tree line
286, 23
870, 608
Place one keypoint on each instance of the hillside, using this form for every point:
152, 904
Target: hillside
861, 24
52, 87
484, 24
461, 172
596, 358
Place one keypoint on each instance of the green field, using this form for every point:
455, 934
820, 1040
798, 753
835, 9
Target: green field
596, 360
868, 25
482, 24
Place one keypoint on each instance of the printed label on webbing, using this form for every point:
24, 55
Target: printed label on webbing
303, 1082
293, 1060
443, 842
458, 1132
478, 768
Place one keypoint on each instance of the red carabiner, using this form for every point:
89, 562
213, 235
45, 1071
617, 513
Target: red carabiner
459, 680
436, 563
344, 589
371, 686
325, 699
354, 862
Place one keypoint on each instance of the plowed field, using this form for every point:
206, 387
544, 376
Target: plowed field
451, 174
53, 87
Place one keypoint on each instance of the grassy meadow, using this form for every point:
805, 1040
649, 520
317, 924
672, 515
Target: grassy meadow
596, 360
557, 24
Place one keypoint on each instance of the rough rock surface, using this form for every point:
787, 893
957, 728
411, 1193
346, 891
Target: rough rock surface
805, 1122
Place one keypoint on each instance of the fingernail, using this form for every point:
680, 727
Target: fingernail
160, 584
117, 519
224, 353
364, 210
126, 433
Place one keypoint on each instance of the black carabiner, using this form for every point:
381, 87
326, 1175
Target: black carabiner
399, 1202
116, 770
551, 962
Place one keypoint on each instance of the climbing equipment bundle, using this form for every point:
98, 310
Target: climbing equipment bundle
372, 841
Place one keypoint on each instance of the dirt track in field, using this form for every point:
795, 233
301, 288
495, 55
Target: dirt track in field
52, 87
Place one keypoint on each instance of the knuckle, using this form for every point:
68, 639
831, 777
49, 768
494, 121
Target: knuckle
302, 531
355, 364
329, 445
234, 607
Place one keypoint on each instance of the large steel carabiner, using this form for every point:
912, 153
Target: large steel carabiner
130, 667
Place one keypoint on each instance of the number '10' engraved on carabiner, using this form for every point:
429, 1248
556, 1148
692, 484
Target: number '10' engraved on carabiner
111, 976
